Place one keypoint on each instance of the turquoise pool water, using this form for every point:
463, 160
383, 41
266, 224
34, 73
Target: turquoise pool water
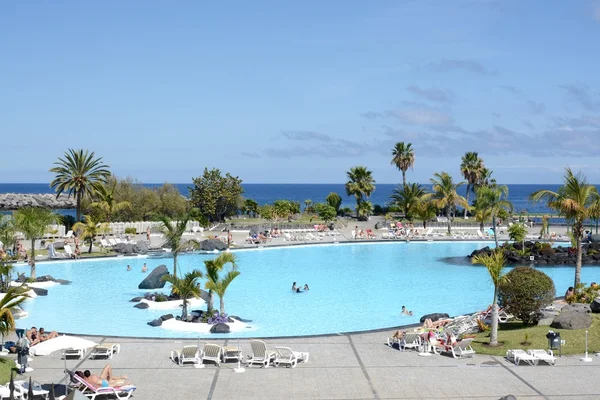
353, 287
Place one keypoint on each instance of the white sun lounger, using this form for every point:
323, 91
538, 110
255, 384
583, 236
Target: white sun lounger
285, 355
188, 354
105, 350
260, 354
211, 352
410, 341
460, 349
518, 355
543, 355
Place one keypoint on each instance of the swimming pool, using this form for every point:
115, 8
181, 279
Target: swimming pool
353, 287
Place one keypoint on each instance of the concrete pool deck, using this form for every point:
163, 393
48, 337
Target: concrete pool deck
354, 366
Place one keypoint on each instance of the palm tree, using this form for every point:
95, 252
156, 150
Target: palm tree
407, 197
471, 169
90, 229
494, 262
7, 231
425, 211
173, 231
445, 196
213, 267
360, 185
14, 296
403, 157
518, 232
575, 200
33, 223
106, 203
335, 201
364, 209
221, 285
494, 199
186, 287
79, 173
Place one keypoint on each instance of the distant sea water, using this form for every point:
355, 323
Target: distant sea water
267, 193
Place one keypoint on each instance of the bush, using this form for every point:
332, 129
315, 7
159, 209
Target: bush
583, 294
526, 292
130, 231
216, 318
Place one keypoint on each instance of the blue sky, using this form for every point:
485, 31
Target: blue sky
299, 92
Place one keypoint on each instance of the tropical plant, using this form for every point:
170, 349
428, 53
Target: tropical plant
284, 209
527, 291
495, 263
213, 267
107, 204
425, 211
471, 168
445, 196
407, 197
545, 225
216, 284
574, 200
335, 201
360, 185
79, 174
494, 199
33, 223
517, 232
403, 157
7, 231
363, 210
215, 196
325, 212
6, 269
584, 294
308, 206
186, 287
14, 296
173, 231
250, 207
267, 212
89, 229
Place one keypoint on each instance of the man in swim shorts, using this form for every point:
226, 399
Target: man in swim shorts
106, 378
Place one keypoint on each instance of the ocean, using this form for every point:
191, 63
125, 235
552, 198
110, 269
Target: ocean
267, 193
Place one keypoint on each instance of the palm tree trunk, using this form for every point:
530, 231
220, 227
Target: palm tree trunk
91, 244
209, 305
494, 228
32, 261
184, 309
175, 263
578, 264
222, 303
403, 177
449, 222
494, 327
78, 206
467, 198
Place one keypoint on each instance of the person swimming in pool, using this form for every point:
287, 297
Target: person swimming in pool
294, 287
106, 378
306, 287
406, 312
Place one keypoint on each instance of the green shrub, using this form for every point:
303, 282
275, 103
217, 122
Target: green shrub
161, 297
525, 292
591, 252
583, 294
130, 231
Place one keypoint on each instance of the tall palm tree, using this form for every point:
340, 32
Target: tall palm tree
425, 211
495, 263
364, 209
33, 223
221, 285
107, 203
445, 196
360, 185
471, 168
14, 296
213, 267
403, 157
575, 200
494, 199
79, 173
173, 231
186, 288
90, 229
7, 231
407, 197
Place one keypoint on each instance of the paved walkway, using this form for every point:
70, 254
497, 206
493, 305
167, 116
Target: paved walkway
357, 366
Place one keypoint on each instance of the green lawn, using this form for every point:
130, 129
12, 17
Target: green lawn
6, 366
511, 335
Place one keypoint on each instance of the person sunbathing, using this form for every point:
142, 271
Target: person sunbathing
105, 379
33, 336
47, 336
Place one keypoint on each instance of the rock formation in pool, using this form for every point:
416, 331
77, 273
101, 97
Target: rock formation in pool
545, 254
